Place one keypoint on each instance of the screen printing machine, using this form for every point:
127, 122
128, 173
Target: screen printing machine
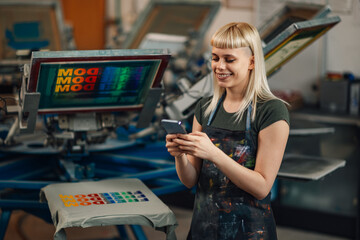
85, 134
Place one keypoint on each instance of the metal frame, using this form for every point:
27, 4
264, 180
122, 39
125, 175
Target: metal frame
78, 57
143, 19
321, 12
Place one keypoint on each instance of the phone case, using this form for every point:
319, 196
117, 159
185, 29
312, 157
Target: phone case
173, 126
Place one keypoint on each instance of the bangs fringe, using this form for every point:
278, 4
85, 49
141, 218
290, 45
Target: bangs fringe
230, 38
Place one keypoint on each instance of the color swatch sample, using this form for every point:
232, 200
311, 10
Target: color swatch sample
102, 198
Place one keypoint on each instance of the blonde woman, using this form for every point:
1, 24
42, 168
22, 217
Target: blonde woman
237, 143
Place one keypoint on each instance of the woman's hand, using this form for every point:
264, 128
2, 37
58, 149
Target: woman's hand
196, 144
172, 146
187, 166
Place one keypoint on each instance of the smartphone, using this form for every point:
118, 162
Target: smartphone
173, 126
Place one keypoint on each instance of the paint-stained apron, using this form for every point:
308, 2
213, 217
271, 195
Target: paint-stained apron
222, 210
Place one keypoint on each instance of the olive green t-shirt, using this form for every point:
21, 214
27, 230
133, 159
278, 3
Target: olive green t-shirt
267, 113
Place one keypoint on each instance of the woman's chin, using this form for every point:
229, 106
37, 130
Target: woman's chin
222, 84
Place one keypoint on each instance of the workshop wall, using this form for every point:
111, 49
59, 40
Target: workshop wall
87, 21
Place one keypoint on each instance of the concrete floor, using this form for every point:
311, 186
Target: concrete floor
24, 226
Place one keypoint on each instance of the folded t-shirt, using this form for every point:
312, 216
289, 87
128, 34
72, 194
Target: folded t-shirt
106, 202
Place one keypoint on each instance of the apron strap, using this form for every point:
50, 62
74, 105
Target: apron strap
248, 118
248, 123
212, 115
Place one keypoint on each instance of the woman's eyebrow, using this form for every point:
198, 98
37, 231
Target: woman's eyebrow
225, 55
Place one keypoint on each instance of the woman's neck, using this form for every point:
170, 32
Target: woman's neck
232, 101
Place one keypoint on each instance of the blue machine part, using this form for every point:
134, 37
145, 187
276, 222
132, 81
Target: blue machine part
26, 30
26, 35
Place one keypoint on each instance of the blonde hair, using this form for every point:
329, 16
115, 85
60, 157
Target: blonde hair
237, 35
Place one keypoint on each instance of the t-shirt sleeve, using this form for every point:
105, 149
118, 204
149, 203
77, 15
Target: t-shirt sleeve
271, 112
198, 114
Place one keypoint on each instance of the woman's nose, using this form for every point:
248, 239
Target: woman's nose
221, 64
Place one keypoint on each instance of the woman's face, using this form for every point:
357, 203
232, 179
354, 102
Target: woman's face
232, 67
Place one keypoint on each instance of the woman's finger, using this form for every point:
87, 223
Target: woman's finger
169, 137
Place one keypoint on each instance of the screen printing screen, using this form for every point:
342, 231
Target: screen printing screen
160, 16
290, 48
86, 84
293, 40
30, 25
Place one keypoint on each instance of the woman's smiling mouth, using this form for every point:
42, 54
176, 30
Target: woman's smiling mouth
222, 76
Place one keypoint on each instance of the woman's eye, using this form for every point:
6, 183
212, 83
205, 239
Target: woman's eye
216, 59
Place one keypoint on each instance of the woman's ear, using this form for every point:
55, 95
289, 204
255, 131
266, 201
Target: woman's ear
252, 63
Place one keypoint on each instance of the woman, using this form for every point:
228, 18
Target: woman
237, 143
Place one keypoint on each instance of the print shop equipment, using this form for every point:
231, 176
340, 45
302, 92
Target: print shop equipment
82, 96
284, 36
74, 142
